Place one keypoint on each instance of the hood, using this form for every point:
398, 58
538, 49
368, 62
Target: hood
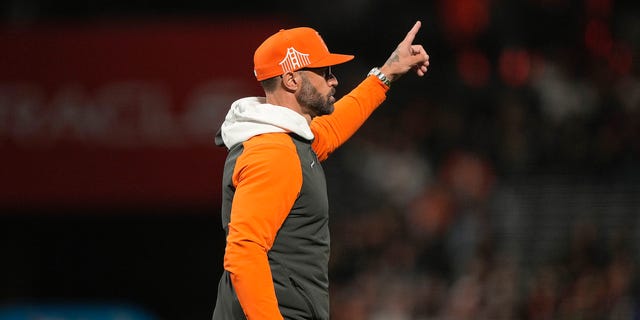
252, 116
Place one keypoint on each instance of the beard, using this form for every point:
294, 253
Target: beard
312, 102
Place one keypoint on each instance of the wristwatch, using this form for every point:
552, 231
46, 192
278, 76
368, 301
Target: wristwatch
376, 72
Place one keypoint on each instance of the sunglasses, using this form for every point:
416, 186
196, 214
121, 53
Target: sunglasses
324, 72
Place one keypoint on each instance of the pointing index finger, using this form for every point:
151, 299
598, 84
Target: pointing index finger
412, 33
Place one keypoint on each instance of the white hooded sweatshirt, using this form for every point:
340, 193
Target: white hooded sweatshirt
252, 116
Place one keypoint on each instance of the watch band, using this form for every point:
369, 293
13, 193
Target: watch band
376, 72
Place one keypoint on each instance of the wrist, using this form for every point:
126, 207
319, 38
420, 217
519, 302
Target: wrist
380, 75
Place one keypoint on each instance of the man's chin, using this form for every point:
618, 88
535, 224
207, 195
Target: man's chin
329, 109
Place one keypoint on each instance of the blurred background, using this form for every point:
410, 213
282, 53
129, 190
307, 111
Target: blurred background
503, 185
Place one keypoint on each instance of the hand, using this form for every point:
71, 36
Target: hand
407, 56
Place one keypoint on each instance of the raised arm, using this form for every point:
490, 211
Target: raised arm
351, 111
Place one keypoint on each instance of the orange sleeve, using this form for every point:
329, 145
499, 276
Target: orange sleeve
351, 111
268, 178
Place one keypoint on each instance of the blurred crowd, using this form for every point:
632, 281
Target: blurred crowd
447, 253
439, 208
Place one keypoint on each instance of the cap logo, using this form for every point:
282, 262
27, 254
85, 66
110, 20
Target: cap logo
294, 60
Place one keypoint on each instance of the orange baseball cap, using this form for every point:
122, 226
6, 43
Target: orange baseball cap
293, 49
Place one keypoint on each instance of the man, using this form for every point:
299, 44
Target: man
275, 207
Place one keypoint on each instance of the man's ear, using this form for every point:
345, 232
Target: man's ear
289, 81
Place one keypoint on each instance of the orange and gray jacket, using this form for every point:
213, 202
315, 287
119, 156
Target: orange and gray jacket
275, 209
